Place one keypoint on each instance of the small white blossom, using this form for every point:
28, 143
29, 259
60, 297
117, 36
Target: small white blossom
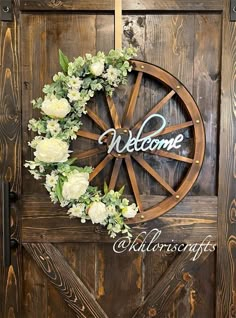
35, 174
53, 127
51, 180
111, 210
73, 95
130, 211
112, 74
77, 210
75, 82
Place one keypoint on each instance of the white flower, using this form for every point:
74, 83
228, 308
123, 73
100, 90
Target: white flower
130, 211
56, 108
75, 186
77, 210
112, 74
35, 141
97, 68
97, 212
73, 95
111, 210
51, 180
75, 82
53, 126
52, 150
35, 174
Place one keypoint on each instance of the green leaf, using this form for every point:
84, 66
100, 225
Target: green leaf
64, 61
105, 189
121, 191
58, 190
70, 161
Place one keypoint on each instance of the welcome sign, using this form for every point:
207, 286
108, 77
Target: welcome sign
123, 140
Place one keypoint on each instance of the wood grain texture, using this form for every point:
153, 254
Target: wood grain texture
35, 289
226, 254
10, 160
191, 220
168, 288
60, 274
182, 5
119, 294
206, 90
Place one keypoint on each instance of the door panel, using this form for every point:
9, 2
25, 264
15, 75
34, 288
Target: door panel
183, 37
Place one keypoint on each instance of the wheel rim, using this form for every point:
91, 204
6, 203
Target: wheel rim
196, 123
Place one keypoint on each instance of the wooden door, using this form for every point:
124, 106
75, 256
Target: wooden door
63, 268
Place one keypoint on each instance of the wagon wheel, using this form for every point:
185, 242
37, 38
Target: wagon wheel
123, 126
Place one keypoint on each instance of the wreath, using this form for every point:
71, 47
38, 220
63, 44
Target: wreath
62, 107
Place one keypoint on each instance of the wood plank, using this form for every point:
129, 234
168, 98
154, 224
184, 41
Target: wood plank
81, 258
60, 274
206, 91
10, 160
34, 290
155, 265
134, 5
226, 253
168, 288
124, 271
118, 24
190, 221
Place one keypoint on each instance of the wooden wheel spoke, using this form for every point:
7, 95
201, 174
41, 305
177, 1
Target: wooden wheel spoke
128, 114
155, 109
91, 152
113, 112
154, 174
171, 129
134, 183
100, 167
171, 155
115, 173
96, 119
88, 135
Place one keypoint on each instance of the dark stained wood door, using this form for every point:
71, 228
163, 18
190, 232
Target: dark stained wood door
63, 268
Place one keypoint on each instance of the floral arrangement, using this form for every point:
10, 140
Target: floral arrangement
62, 107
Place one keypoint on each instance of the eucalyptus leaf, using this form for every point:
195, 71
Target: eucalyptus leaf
105, 189
64, 61
121, 191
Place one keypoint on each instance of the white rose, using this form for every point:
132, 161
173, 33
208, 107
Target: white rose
97, 212
56, 108
75, 186
52, 150
97, 68
130, 211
